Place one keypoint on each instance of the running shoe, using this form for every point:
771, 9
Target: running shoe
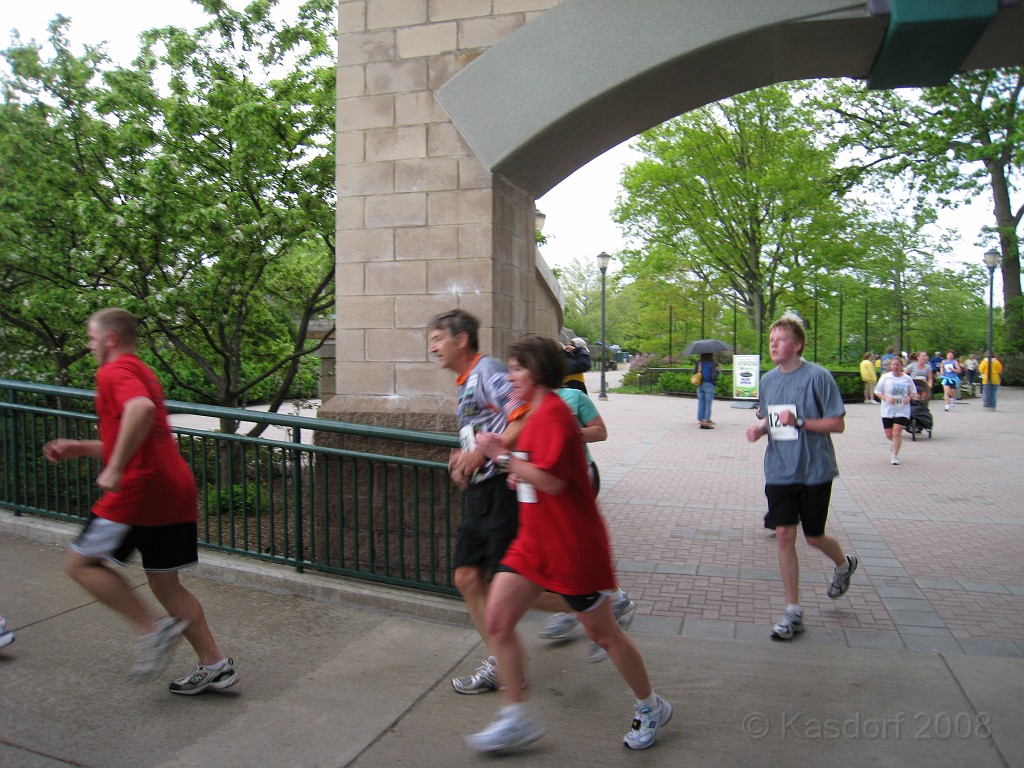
789, 625
895, 460
841, 580
155, 648
647, 721
202, 678
513, 727
484, 679
561, 626
6, 636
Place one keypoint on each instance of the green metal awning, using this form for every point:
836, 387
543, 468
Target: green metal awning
928, 40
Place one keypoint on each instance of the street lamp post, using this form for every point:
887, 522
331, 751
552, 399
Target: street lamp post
991, 261
734, 348
669, 334
839, 352
867, 346
603, 260
815, 320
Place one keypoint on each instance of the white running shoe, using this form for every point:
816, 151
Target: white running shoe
561, 626
202, 678
483, 680
646, 723
6, 636
895, 459
514, 726
789, 625
841, 579
155, 648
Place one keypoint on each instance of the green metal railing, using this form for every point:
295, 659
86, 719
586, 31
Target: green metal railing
388, 516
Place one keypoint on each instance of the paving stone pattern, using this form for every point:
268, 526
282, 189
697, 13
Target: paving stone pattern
940, 537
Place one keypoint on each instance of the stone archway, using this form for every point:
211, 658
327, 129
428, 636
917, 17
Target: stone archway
455, 115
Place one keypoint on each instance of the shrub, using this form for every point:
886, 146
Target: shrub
637, 365
240, 498
850, 387
679, 383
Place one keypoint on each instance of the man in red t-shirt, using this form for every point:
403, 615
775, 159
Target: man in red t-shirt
148, 504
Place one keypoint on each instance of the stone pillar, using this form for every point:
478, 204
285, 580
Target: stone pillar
422, 226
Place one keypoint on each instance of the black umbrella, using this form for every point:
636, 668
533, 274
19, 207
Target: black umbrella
700, 346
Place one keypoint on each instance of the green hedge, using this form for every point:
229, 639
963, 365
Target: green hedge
851, 387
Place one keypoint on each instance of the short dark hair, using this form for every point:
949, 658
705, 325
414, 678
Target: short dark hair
458, 321
542, 357
120, 322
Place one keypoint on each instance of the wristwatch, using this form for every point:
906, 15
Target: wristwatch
799, 422
503, 461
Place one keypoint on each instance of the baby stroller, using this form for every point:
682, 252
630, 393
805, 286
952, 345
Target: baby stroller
920, 413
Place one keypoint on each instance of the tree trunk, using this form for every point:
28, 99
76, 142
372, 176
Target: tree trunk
1009, 248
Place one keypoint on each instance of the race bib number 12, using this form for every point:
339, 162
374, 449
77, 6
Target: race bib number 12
776, 430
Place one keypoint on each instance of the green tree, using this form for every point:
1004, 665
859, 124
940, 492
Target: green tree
580, 282
737, 199
206, 188
961, 140
52, 264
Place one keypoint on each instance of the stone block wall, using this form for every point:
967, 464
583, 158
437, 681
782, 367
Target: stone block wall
422, 226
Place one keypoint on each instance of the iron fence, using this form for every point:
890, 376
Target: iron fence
379, 506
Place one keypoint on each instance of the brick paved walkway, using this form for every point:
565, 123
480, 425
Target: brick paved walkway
940, 537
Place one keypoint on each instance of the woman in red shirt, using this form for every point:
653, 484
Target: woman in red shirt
562, 546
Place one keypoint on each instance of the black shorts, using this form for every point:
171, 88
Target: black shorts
163, 547
579, 603
803, 504
490, 520
903, 421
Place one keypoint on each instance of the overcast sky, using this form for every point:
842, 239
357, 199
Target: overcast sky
578, 222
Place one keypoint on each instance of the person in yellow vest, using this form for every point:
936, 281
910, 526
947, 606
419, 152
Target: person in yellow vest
869, 376
577, 361
990, 385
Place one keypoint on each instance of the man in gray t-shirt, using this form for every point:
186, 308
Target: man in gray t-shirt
800, 407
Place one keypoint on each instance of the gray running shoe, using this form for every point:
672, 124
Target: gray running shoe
561, 626
202, 678
6, 636
509, 730
483, 680
647, 721
155, 648
841, 581
790, 624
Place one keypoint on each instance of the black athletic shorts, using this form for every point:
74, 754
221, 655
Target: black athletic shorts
163, 547
579, 603
803, 504
490, 520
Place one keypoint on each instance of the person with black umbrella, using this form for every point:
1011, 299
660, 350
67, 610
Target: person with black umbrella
705, 375
707, 370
